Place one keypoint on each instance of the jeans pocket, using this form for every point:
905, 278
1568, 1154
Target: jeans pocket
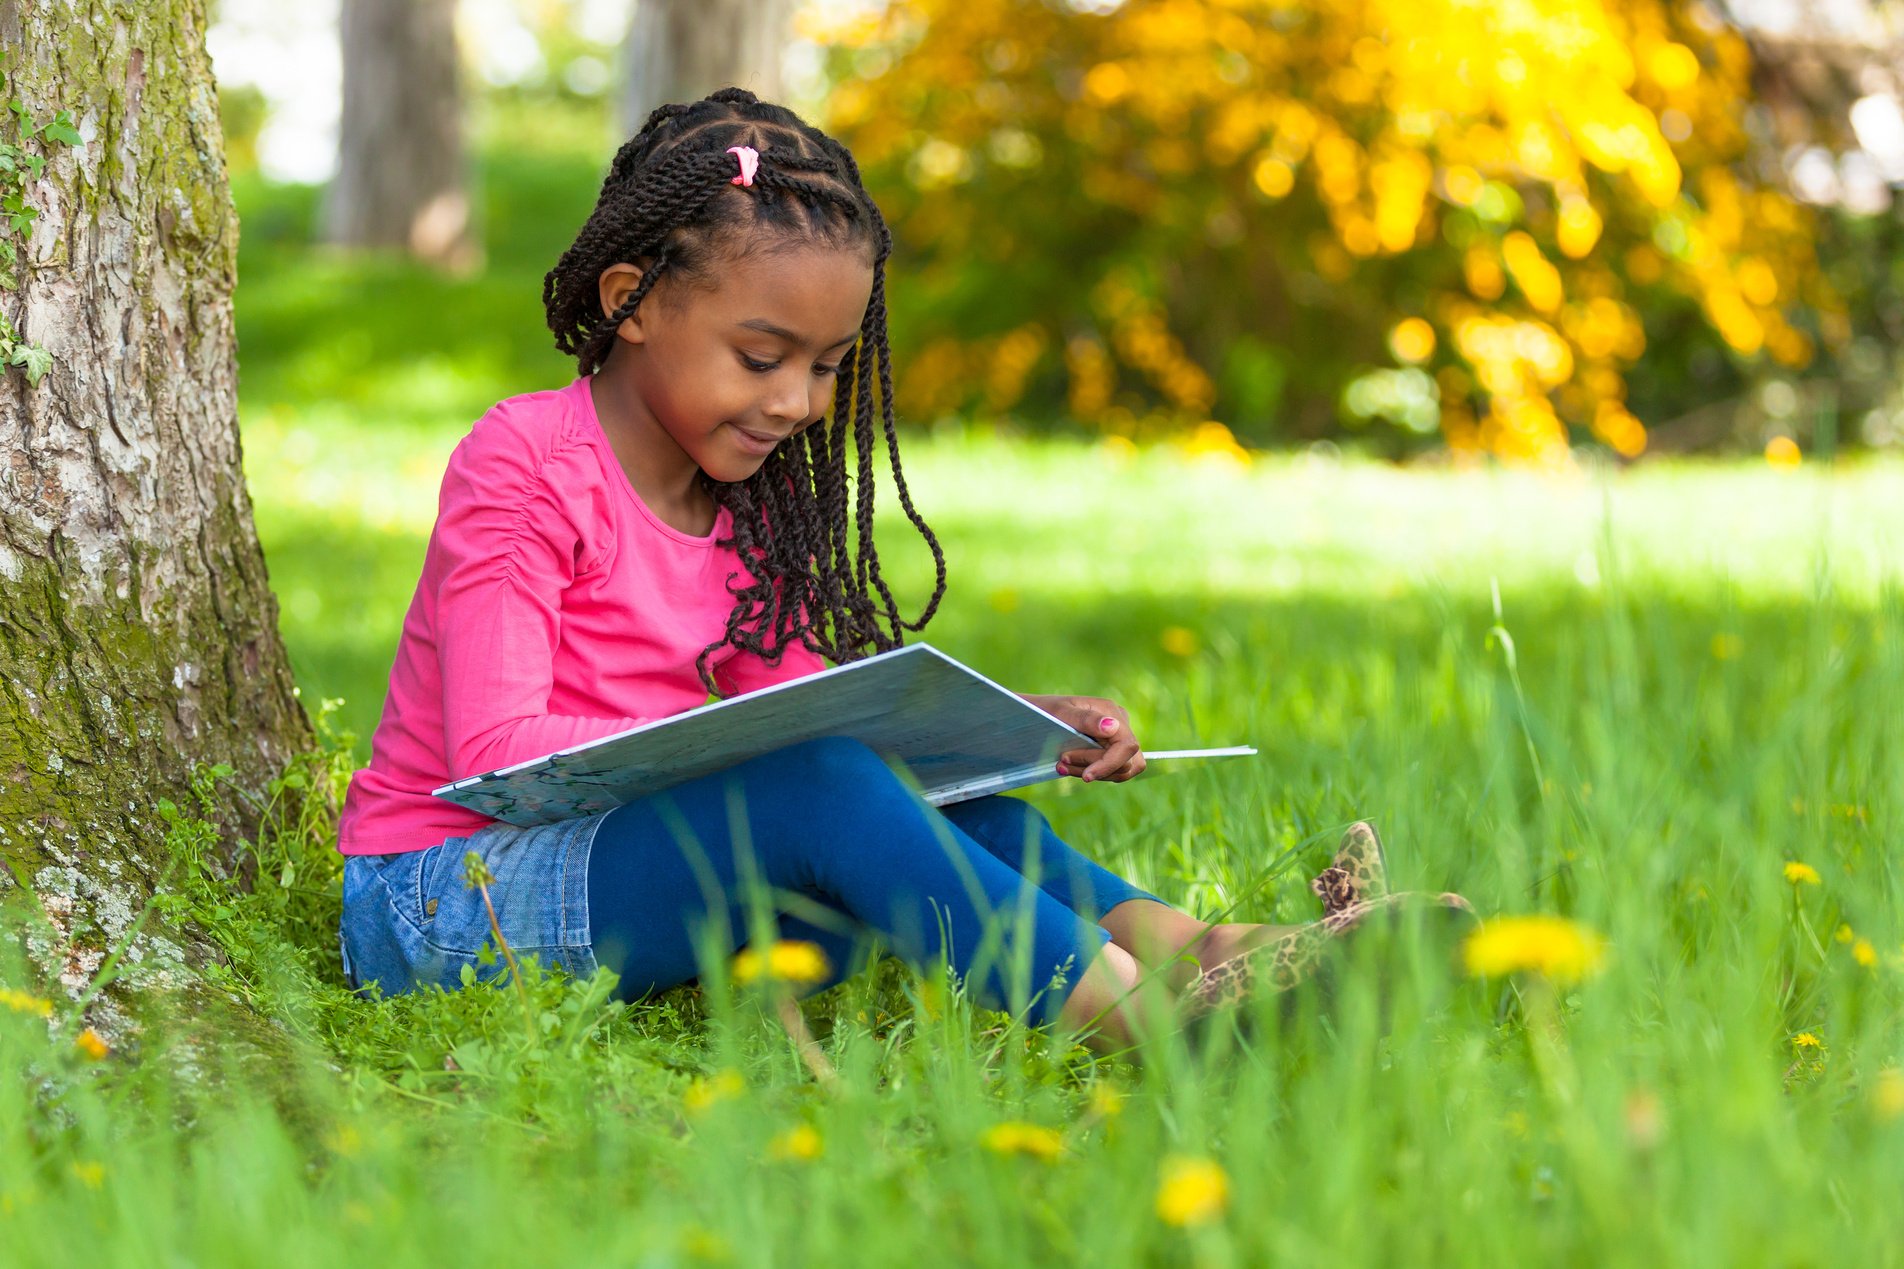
376, 939
415, 882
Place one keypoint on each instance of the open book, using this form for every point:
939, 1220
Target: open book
958, 734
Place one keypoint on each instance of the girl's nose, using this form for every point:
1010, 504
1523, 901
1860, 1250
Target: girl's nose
791, 399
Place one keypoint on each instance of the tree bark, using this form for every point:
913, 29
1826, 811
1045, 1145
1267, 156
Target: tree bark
138, 630
401, 178
682, 50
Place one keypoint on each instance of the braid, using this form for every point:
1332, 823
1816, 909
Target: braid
667, 201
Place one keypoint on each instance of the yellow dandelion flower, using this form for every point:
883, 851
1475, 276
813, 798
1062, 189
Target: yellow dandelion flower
1015, 1137
1192, 1192
1863, 953
786, 961
91, 1175
800, 1142
931, 999
21, 1002
1107, 1100
1806, 1040
1783, 451
1645, 1118
707, 1091
1726, 647
1178, 641
797, 961
1844, 934
1798, 873
1550, 946
89, 1043
1887, 1097
704, 1244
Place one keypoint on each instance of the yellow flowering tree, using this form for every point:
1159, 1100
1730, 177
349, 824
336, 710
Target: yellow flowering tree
1464, 216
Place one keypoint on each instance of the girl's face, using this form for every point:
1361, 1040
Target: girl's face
729, 367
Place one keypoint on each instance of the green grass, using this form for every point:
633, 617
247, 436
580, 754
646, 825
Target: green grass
1706, 674
1712, 663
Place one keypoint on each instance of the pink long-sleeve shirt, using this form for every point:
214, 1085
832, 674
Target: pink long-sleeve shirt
554, 608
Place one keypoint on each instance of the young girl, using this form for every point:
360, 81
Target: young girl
678, 521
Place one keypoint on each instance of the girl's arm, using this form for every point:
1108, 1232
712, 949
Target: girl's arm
503, 552
749, 672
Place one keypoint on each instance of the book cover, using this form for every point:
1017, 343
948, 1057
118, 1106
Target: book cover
955, 732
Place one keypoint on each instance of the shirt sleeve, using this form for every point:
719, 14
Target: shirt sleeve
505, 550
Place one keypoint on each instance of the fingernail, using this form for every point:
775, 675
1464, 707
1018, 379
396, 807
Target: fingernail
1108, 723
1087, 777
1060, 768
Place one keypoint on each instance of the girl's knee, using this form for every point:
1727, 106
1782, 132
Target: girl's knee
837, 761
1005, 821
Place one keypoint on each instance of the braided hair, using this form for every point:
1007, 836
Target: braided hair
668, 199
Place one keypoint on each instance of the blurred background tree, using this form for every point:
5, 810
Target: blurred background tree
683, 49
1505, 229
401, 179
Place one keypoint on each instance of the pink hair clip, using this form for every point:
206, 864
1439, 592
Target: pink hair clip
749, 163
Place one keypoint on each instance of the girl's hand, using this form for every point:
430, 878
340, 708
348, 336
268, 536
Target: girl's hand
1119, 759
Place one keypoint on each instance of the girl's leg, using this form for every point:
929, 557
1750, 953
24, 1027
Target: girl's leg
826, 826
1152, 931
1019, 835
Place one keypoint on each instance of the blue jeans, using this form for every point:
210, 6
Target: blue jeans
835, 845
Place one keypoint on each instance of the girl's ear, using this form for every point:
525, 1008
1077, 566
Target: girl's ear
617, 282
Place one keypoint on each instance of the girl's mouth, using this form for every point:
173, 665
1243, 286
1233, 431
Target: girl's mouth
755, 442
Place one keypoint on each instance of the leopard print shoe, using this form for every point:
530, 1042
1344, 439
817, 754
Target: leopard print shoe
1280, 965
1358, 873
1293, 958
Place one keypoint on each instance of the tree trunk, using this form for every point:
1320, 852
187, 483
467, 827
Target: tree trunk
682, 50
401, 181
138, 630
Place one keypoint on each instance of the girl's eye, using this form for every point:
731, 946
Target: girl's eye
766, 367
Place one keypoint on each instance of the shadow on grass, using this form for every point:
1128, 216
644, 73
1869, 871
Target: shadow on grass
1343, 698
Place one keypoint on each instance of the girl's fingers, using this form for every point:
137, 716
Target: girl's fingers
1119, 759
1113, 760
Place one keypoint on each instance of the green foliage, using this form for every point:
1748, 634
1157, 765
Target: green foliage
18, 165
273, 911
1091, 203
